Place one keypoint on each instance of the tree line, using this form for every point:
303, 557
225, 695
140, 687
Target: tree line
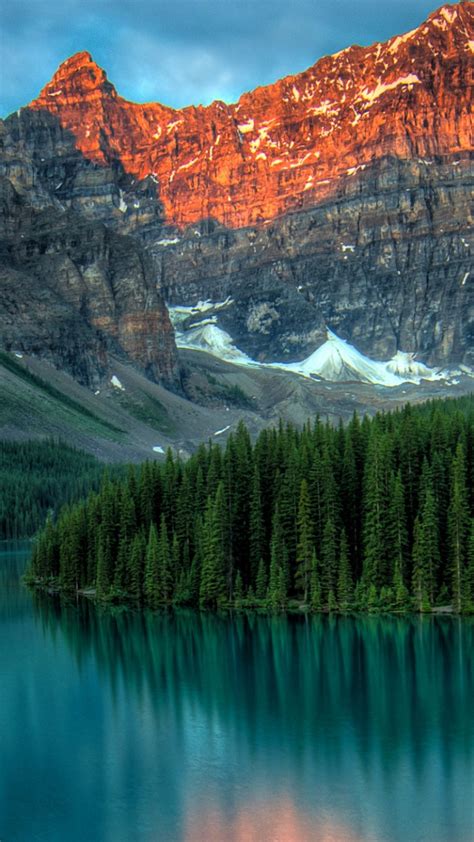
375, 515
37, 477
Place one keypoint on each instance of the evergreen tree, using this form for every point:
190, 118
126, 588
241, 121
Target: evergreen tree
344, 578
304, 548
458, 517
213, 587
257, 530
137, 566
377, 484
315, 599
261, 586
328, 571
349, 516
164, 563
152, 589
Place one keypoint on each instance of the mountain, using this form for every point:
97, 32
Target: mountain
339, 198
73, 291
284, 146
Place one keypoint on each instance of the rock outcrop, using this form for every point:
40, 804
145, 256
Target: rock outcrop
339, 197
72, 291
285, 146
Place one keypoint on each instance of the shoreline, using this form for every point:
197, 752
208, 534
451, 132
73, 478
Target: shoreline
293, 608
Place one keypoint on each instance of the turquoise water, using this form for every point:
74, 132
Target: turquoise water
196, 728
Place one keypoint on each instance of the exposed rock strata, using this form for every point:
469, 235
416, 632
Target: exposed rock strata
285, 146
73, 290
341, 197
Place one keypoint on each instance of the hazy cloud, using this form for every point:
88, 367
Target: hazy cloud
181, 52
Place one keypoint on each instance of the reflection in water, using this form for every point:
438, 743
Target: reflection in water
275, 821
185, 727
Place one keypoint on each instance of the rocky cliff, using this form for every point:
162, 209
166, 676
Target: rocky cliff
72, 291
285, 146
341, 196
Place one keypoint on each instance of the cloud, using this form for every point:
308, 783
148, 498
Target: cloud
186, 51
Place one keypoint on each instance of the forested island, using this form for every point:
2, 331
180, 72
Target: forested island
374, 516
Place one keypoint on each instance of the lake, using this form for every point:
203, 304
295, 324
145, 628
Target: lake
187, 727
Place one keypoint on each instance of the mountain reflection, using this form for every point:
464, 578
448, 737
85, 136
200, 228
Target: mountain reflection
275, 821
364, 722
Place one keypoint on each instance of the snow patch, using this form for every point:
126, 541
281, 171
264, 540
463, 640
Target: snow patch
168, 242
224, 430
179, 312
400, 39
116, 382
244, 128
337, 360
20, 356
122, 204
465, 278
55, 93
372, 96
212, 339
448, 14
158, 449
189, 164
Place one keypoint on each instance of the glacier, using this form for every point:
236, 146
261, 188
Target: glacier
336, 360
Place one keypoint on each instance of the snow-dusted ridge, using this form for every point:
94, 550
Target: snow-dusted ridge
336, 360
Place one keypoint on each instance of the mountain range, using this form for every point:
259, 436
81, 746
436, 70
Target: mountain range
337, 199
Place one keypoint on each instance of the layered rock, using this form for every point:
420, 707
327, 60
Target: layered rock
339, 197
285, 146
73, 291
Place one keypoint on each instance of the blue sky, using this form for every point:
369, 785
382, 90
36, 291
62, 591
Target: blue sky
182, 52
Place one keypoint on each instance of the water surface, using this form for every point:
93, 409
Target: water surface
190, 727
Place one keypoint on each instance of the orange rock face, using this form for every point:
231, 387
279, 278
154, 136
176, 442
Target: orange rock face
285, 146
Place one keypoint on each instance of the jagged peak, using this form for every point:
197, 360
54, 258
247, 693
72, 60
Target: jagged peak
79, 73
451, 12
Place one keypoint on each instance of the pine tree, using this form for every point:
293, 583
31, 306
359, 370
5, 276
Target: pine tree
315, 598
458, 515
469, 579
164, 562
304, 548
397, 529
426, 556
277, 587
213, 586
328, 565
261, 586
344, 578
238, 590
257, 532
152, 589
377, 483
137, 566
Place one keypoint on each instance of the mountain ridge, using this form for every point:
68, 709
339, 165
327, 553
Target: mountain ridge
286, 145
381, 254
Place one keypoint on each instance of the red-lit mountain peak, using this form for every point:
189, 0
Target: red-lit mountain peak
286, 145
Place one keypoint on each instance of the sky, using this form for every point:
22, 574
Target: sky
182, 52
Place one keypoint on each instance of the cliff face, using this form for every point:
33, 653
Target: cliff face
285, 146
341, 196
73, 291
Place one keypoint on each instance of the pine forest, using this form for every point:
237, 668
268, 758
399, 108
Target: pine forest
377, 515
